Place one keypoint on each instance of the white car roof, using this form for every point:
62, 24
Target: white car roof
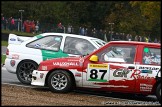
71, 35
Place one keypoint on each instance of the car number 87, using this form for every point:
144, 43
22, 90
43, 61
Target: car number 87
97, 74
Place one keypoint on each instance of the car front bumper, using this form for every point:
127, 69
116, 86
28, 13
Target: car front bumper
38, 78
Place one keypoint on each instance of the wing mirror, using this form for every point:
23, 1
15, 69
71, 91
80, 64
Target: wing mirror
94, 58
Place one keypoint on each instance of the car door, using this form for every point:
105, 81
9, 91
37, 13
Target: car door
147, 69
113, 69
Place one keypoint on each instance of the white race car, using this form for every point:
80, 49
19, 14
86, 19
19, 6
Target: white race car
24, 54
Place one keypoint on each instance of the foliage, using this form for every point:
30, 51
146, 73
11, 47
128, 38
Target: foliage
133, 17
150, 11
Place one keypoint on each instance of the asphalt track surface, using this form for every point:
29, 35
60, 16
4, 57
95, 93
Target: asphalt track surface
11, 79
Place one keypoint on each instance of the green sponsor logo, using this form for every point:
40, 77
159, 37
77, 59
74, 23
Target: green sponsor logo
146, 50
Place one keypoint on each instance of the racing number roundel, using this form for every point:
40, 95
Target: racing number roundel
97, 72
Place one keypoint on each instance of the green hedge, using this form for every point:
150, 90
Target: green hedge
18, 33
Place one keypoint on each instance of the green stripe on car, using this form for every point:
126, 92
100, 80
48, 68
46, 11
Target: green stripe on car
51, 54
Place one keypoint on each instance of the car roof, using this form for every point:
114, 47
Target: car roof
135, 43
71, 35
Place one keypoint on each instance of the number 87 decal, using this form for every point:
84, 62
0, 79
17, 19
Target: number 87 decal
97, 72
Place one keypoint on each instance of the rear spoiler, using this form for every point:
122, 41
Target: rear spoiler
15, 39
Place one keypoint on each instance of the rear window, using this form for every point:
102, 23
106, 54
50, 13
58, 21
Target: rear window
48, 43
151, 56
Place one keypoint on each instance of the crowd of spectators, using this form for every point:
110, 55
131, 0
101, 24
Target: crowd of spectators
36, 27
16, 24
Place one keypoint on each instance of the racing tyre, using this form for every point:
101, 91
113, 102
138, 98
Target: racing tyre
158, 93
60, 81
24, 71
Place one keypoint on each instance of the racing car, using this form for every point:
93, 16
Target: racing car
127, 73
24, 54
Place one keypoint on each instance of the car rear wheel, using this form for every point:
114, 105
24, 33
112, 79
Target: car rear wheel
158, 93
24, 71
60, 81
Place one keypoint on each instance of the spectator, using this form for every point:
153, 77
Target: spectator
2, 22
116, 36
127, 37
24, 26
130, 37
146, 39
120, 36
6, 24
12, 24
108, 36
82, 31
101, 35
60, 28
69, 29
28, 26
155, 41
149, 39
36, 28
123, 36
33, 27
94, 33
143, 39
72, 29
91, 33
159, 41
9, 23
140, 38
37, 23
105, 36
86, 30
112, 36
136, 38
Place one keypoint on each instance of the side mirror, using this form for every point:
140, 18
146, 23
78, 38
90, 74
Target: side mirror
94, 58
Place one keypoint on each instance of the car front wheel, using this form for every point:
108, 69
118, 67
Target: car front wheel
24, 71
60, 81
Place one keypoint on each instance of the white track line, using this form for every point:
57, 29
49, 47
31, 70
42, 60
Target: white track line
3, 68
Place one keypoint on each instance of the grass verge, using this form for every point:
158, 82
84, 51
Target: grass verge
4, 43
18, 33
3, 57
